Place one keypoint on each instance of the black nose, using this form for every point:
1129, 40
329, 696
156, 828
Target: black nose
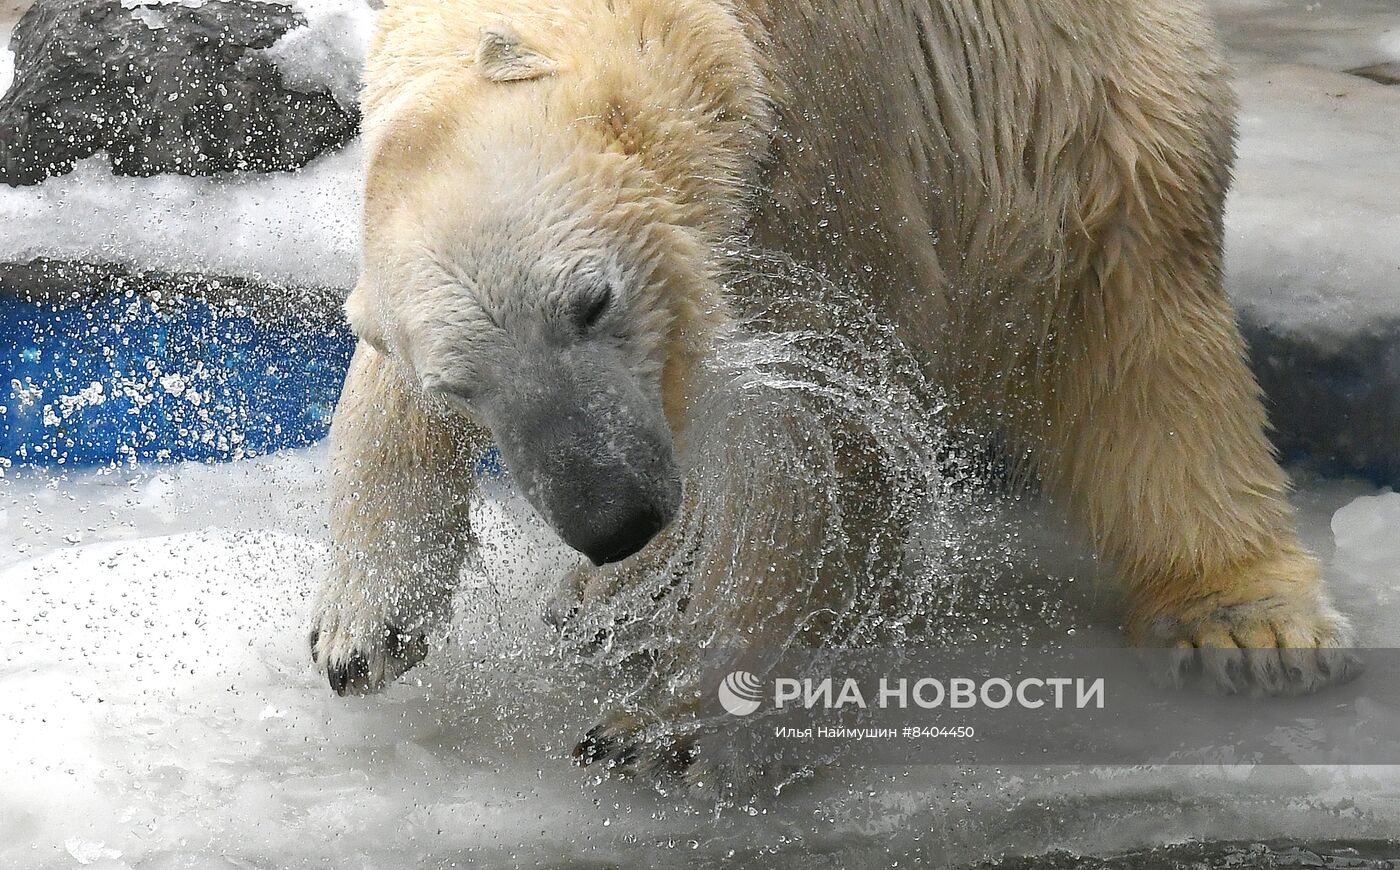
624, 538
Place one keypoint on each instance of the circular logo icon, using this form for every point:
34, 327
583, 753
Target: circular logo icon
740, 693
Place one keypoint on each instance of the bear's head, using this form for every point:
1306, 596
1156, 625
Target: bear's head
550, 190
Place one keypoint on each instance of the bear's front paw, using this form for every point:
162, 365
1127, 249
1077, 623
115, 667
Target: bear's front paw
1272, 646
680, 754
363, 656
633, 744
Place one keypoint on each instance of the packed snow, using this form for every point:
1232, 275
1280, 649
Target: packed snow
10, 11
161, 711
287, 228
1312, 220
7, 62
329, 52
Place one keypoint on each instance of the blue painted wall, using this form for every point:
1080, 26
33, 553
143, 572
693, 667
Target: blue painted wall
128, 379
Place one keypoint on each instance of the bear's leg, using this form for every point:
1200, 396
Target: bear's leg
1161, 451
1157, 443
401, 478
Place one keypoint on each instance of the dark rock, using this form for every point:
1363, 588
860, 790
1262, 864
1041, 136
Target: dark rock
159, 88
67, 282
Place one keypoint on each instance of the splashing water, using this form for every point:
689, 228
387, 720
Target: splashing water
825, 505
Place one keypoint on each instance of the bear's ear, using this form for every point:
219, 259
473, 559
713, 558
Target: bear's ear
364, 322
502, 56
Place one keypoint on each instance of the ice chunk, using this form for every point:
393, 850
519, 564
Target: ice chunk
329, 52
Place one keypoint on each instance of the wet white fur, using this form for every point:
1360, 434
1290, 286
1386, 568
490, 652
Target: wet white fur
1030, 189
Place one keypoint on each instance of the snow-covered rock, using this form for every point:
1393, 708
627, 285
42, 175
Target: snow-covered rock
10, 12
168, 88
328, 53
290, 228
1313, 223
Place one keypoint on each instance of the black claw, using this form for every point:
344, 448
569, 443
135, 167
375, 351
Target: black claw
1344, 667
407, 647
679, 756
625, 759
315, 636
596, 745
357, 669
349, 674
336, 675
395, 641
1271, 672
626, 751
587, 750
1234, 671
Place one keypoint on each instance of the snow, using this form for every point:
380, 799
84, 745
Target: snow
329, 52
161, 711
1312, 218
7, 63
1365, 532
288, 228
1336, 36
10, 12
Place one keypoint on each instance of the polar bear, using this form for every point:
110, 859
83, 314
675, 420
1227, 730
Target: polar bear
1029, 190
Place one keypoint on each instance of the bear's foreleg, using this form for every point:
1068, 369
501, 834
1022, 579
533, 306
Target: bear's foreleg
1158, 444
401, 479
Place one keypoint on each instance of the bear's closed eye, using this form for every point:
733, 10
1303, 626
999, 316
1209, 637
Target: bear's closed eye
591, 308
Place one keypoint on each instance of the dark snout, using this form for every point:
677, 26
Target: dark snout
606, 506
616, 537
596, 461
